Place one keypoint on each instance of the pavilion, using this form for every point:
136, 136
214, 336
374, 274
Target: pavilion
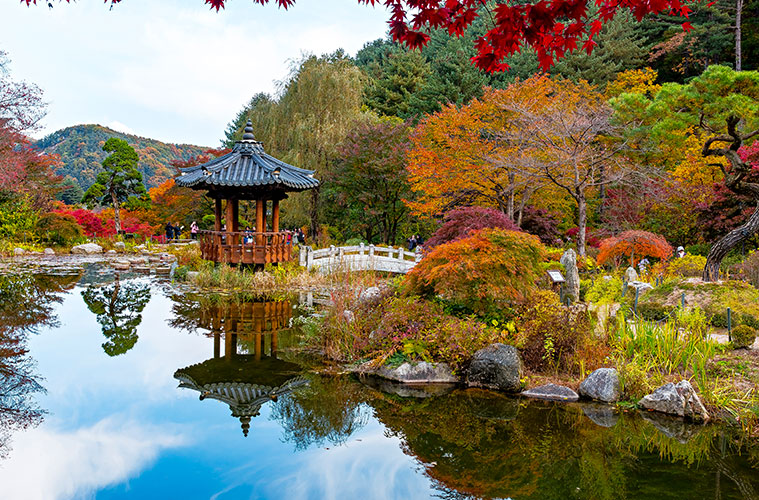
246, 173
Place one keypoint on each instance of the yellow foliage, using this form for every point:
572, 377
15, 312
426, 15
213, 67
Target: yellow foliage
633, 81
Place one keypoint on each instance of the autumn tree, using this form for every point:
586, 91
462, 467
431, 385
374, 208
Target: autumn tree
369, 181
459, 223
566, 138
120, 181
633, 244
721, 106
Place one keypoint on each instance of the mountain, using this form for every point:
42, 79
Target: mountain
81, 150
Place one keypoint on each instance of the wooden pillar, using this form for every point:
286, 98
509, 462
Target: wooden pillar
217, 229
260, 221
273, 345
217, 215
216, 344
275, 216
257, 347
228, 345
231, 216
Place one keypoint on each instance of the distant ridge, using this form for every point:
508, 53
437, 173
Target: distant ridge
80, 149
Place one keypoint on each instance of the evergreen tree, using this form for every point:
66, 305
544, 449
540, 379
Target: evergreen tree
235, 127
395, 80
120, 182
71, 192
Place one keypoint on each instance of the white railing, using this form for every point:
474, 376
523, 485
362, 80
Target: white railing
359, 258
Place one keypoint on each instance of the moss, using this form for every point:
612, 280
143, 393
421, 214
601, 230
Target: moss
743, 336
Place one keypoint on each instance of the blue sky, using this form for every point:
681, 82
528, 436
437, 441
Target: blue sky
170, 69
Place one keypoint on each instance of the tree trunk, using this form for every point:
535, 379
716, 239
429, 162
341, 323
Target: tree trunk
720, 249
582, 217
738, 51
116, 216
314, 214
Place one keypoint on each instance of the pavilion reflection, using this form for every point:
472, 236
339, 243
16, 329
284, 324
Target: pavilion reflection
248, 373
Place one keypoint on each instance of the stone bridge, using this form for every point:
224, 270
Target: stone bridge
359, 258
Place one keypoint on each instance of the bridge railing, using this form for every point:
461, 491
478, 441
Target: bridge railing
308, 256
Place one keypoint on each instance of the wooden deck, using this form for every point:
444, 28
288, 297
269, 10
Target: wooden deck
245, 247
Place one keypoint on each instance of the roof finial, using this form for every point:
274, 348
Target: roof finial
248, 135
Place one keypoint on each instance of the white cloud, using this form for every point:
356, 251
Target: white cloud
120, 127
47, 464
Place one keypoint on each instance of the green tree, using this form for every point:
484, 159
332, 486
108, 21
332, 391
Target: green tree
71, 192
120, 182
394, 81
721, 105
255, 108
118, 308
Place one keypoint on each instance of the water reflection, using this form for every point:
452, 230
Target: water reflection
118, 307
247, 374
26, 304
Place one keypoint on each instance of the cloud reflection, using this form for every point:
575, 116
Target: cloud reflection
49, 464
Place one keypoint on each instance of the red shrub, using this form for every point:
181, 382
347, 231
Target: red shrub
460, 222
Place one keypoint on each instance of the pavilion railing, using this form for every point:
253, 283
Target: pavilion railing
245, 247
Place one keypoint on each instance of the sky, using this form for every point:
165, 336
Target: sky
172, 70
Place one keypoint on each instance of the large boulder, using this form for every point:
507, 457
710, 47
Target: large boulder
602, 385
552, 392
572, 275
497, 366
371, 295
48, 251
419, 373
680, 399
87, 248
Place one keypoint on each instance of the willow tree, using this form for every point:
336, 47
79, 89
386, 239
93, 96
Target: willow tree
722, 107
319, 104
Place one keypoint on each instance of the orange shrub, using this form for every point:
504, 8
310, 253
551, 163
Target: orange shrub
633, 245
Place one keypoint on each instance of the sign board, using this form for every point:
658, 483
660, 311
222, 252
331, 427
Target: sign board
556, 276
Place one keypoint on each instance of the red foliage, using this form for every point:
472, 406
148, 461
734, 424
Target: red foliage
542, 223
90, 222
633, 244
208, 155
459, 223
592, 237
552, 29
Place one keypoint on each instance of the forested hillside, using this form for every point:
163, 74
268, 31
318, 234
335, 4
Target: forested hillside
81, 151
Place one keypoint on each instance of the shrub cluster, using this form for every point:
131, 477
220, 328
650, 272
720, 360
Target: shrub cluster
743, 336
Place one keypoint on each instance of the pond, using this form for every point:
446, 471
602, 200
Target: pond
151, 391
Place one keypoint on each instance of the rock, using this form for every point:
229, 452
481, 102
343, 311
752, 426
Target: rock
87, 248
680, 400
139, 260
348, 316
191, 275
631, 275
119, 245
18, 251
370, 295
49, 251
553, 392
121, 265
571, 275
601, 415
163, 270
639, 285
602, 385
496, 366
141, 269
418, 373
111, 252
154, 259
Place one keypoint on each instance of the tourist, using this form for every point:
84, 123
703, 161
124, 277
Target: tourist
169, 232
680, 252
194, 230
177, 231
411, 243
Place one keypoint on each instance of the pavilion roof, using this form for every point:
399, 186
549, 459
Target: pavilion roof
247, 166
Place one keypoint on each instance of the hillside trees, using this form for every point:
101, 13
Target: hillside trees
721, 106
120, 181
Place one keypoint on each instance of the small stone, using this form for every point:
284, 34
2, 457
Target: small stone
680, 400
119, 245
111, 252
602, 385
87, 248
348, 316
191, 275
371, 294
18, 251
552, 392
498, 367
121, 265
639, 285
631, 275
418, 373
163, 270
49, 251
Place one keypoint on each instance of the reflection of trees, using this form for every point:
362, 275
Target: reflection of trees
118, 308
26, 304
328, 410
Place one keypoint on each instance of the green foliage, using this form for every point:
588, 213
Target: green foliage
71, 192
653, 311
604, 290
17, 218
59, 229
81, 153
394, 81
482, 272
743, 336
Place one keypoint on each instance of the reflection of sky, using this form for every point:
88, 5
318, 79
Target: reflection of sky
119, 427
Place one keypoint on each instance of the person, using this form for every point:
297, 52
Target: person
248, 235
411, 242
301, 236
177, 231
194, 230
680, 252
169, 231
643, 265
289, 237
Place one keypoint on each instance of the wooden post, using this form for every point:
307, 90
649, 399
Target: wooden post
275, 216
216, 344
217, 215
260, 222
230, 216
273, 349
